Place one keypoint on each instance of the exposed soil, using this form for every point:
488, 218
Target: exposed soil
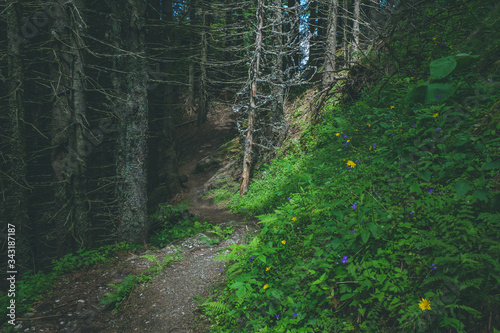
165, 304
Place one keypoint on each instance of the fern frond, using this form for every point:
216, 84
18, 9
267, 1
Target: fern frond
216, 307
472, 311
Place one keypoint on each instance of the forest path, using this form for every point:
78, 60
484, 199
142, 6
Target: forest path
165, 304
194, 144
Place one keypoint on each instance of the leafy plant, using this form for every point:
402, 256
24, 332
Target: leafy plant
376, 208
121, 291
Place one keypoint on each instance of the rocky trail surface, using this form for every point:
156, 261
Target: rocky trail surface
165, 304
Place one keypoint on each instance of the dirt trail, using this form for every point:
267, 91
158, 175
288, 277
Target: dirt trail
196, 143
165, 304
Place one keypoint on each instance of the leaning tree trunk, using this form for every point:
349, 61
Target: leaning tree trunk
68, 123
130, 82
331, 44
248, 158
278, 91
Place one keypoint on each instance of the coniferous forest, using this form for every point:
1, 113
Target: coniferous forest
359, 137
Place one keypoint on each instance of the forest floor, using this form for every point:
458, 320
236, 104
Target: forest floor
164, 304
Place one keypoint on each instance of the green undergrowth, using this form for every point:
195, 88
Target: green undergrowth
32, 286
388, 201
172, 222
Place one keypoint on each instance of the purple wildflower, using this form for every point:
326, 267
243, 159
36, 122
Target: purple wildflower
277, 316
413, 125
352, 231
438, 96
344, 259
354, 206
431, 190
294, 314
411, 213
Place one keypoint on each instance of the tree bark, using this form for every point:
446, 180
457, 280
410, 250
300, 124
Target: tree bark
331, 44
70, 148
248, 158
202, 109
17, 198
130, 82
278, 100
355, 30
347, 61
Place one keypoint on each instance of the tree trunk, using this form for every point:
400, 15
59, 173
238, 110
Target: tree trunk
355, 30
278, 99
16, 200
202, 110
345, 10
331, 44
130, 81
248, 158
70, 148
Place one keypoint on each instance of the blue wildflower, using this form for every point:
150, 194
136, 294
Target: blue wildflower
344, 259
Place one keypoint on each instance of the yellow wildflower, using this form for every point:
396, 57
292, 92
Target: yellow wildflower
338, 134
268, 268
392, 107
294, 219
424, 304
348, 140
266, 286
351, 164
369, 125
283, 242
435, 115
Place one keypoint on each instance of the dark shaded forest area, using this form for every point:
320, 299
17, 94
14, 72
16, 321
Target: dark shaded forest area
93, 95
